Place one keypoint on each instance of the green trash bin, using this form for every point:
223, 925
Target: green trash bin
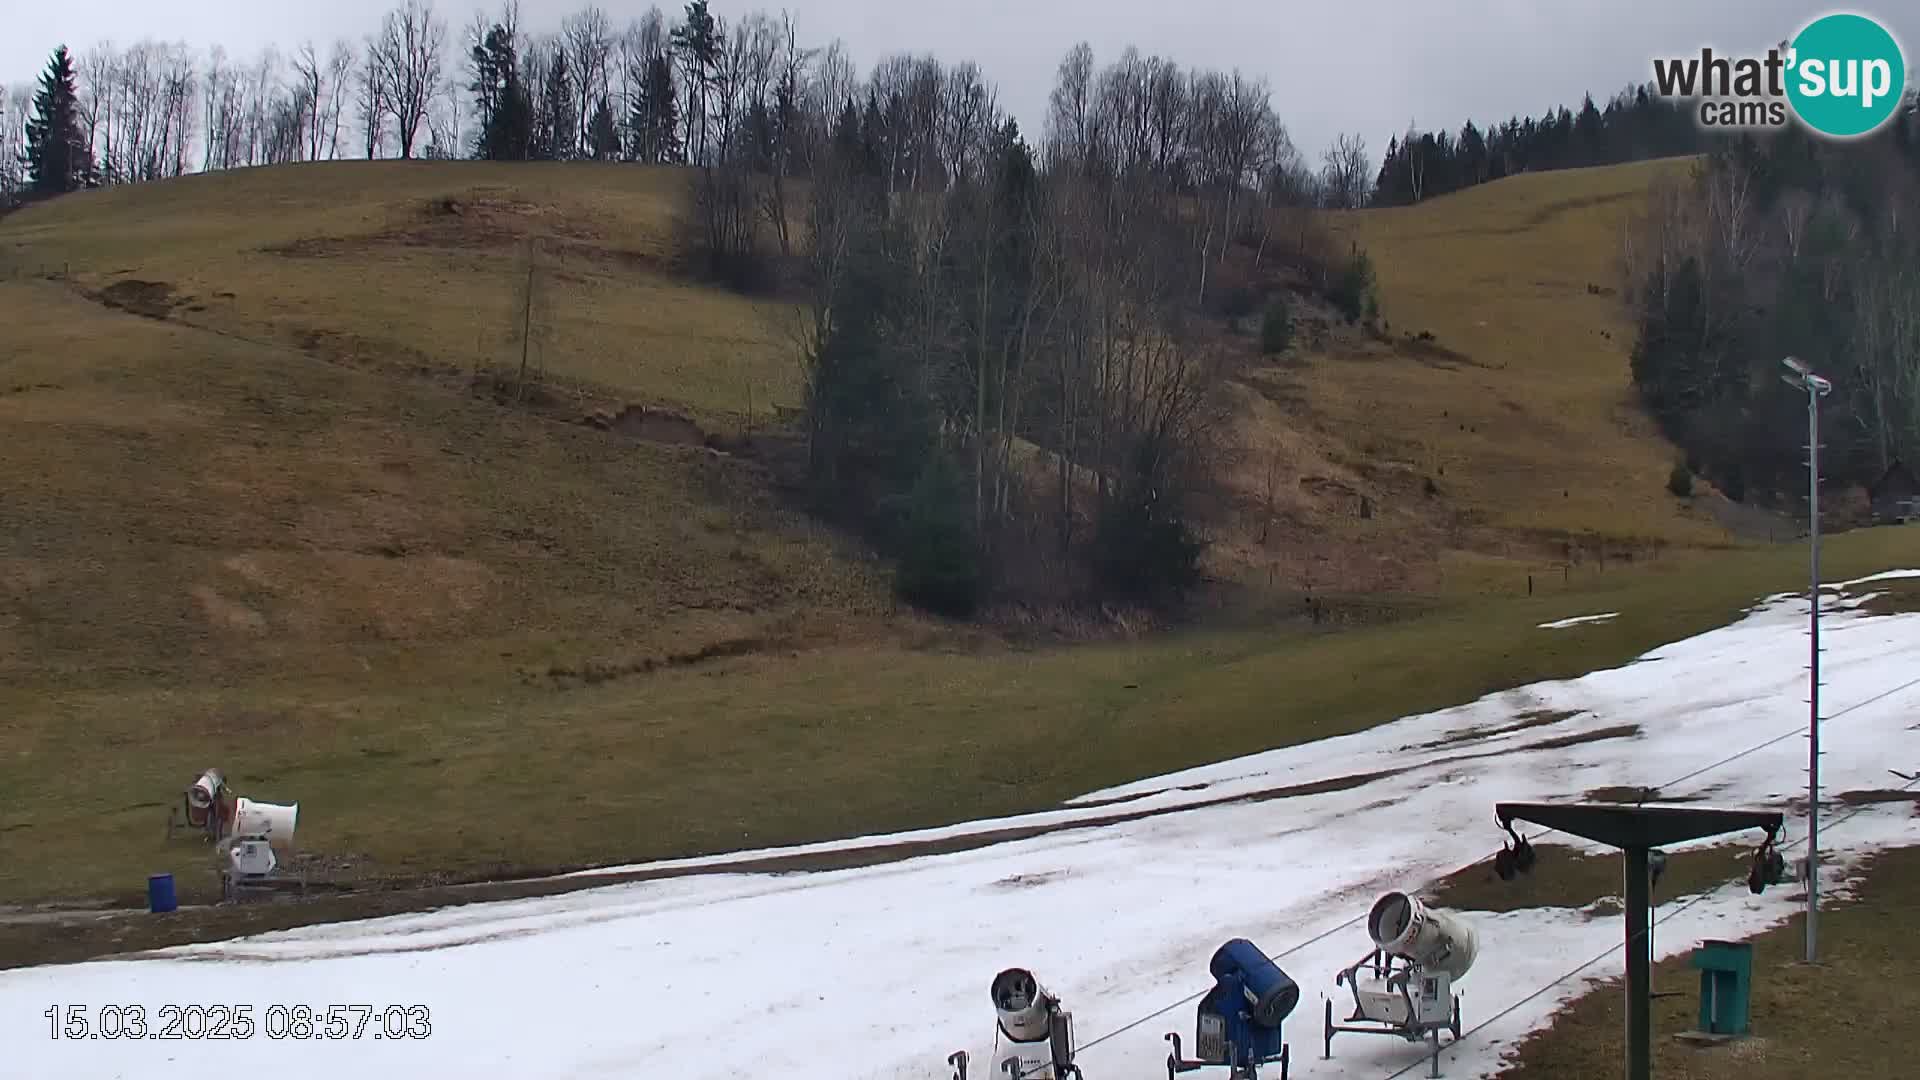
1726, 980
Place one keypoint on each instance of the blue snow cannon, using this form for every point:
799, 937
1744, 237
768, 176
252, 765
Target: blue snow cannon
1238, 1025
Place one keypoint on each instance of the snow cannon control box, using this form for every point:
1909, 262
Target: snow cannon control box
1237, 1025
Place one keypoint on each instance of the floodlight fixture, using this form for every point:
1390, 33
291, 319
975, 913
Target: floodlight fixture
1804, 378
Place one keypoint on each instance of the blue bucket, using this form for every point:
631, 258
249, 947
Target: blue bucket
160, 896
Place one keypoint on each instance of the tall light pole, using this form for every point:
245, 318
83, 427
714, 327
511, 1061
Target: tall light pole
1803, 378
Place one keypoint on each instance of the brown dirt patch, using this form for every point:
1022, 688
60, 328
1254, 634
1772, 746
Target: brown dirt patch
1878, 796
1624, 793
1897, 597
649, 425
494, 223
153, 299
1531, 719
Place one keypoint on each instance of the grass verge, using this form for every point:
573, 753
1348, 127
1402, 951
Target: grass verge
1841, 1017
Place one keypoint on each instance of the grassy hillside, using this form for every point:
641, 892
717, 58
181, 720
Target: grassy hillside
411, 263
1522, 278
182, 506
256, 519
1507, 442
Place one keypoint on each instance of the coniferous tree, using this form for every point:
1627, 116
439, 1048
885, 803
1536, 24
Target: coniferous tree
559, 128
697, 42
58, 154
1634, 126
603, 135
506, 110
655, 121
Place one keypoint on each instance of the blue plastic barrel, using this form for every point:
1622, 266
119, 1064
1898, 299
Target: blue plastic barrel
160, 895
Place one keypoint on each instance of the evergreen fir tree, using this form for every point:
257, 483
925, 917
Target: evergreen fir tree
562, 126
506, 111
655, 122
57, 152
603, 135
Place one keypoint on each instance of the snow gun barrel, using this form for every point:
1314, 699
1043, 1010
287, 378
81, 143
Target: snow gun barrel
1434, 940
1268, 992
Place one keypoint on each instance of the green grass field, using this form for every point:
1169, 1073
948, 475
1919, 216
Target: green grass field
475, 641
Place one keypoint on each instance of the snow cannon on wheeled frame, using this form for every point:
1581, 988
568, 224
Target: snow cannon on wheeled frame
1404, 987
1237, 1025
1033, 1036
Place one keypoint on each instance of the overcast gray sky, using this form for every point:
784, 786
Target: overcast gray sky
1335, 65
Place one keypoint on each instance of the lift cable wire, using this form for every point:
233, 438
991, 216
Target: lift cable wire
1325, 934
1670, 913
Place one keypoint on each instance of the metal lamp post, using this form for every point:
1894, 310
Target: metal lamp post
1803, 378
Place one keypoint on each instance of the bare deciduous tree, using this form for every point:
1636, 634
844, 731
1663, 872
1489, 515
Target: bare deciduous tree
587, 36
1346, 173
408, 54
339, 72
310, 80
372, 100
1070, 106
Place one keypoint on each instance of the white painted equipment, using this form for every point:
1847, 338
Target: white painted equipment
252, 858
1435, 941
265, 821
1404, 987
252, 840
1033, 1036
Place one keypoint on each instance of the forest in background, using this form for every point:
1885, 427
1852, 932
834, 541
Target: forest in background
1782, 245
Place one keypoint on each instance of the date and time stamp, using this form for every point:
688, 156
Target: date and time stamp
293, 1023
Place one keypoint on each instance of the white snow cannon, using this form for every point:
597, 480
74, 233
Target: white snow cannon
254, 820
1033, 1036
259, 833
1404, 987
1435, 941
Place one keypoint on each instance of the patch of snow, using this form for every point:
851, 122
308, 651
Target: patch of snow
1578, 620
882, 971
1889, 575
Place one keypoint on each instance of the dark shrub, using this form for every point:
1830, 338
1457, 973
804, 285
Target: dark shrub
1353, 291
1276, 327
940, 567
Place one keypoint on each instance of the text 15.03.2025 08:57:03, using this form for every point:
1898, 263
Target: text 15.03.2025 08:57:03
298, 1022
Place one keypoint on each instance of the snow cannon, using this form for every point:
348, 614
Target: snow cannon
202, 807
254, 820
1237, 1025
1404, 987
202, 796
1434, 941
1033, 1036
258, 835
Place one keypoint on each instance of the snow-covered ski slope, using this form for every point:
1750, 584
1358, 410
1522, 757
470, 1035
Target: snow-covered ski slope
882, 971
